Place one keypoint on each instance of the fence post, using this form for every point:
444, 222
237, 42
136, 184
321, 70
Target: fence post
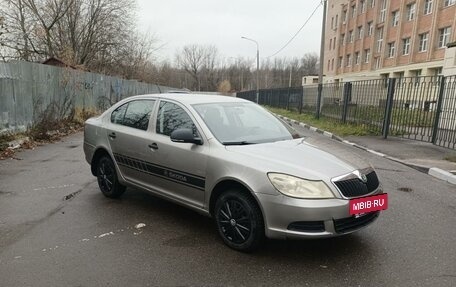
288, 99
389, 106
347, 97
301, 99
320, 92
439, 109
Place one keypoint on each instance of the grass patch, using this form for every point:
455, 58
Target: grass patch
47, 129
6, 138
451, 158
327, 124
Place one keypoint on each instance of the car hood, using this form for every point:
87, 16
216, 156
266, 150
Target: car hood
300, 157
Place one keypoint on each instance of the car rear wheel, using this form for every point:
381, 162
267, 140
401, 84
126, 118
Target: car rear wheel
239, 221
107, 178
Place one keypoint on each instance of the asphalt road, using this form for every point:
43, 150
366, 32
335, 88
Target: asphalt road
57, 229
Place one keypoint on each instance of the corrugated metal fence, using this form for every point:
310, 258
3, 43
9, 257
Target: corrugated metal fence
418, 108
27, 89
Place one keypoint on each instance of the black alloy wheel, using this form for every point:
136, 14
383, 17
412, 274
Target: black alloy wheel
107, 178
239, 221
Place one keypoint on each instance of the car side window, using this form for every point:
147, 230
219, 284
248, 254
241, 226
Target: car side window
118, 114
171, 117
135, 114
138, 114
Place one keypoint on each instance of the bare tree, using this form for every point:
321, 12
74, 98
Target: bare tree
191, 59
211, 69
96, 34
200, 62
309, 64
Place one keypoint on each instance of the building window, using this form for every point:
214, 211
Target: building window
449, 3
406, 46
329, 64
367, 53
362, 3
391, 49
400, 77
330, 43
379, 39
370, 28
411, 9
437, 71
357, 58
332, 64
382, 11
428, 7
444, 36
349, 60
395, 20
350, 36
417, 76
377, 63
337, 21
334, 43
344, 16
340, 62
423, 42
360, 32
372, 3
353, 11
342, 39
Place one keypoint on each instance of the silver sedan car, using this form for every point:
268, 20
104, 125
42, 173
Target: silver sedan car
232, 160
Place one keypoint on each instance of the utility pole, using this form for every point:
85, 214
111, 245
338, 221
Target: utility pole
322, 59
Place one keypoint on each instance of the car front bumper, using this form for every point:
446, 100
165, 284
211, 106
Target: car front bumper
294, 218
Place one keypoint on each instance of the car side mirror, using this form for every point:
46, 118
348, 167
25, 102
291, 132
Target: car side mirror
185, 136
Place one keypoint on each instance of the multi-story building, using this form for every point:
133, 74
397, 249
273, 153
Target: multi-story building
368, 39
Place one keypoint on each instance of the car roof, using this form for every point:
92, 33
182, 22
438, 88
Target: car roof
190, 99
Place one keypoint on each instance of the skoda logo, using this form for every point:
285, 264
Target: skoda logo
364, 178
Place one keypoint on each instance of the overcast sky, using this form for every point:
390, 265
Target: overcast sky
222, 23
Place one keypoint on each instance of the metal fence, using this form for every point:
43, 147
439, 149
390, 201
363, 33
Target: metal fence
418, 108
27, 89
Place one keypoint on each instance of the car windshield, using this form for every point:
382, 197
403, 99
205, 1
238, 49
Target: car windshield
242, 123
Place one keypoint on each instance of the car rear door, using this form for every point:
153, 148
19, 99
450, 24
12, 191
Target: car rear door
128, 134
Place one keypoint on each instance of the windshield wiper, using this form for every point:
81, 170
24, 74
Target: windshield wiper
238, 143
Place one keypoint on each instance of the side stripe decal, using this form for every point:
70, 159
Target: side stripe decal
177, 176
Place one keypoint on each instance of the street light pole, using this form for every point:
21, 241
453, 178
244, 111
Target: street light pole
257, 69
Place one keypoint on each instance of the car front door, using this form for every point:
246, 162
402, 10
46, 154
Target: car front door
179, 168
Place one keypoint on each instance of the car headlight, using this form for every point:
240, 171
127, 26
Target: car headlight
300, 188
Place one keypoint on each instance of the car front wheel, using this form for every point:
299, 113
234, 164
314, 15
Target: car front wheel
239, 221
107, 178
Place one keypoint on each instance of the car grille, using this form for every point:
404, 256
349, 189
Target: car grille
355, 187
352, 223
307, 226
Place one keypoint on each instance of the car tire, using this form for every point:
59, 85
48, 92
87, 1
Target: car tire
239, 221
107, 178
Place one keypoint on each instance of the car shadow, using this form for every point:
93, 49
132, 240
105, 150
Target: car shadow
191, 229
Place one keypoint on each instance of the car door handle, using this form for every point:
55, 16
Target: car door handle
153, 146
112, 135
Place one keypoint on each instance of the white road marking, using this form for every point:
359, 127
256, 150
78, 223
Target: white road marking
53, 187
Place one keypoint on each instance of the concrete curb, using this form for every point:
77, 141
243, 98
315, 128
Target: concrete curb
432, 171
